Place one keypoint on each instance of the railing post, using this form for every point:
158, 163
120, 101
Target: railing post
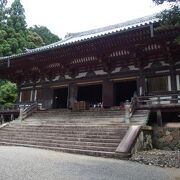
127, 112
12, 117
21, 110
2, 118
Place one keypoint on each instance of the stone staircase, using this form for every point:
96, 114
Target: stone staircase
90, 117
94, 132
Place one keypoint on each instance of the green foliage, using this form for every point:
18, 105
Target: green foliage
170, 18
34, 40
162, 1
45, 33
8, 93
15, 37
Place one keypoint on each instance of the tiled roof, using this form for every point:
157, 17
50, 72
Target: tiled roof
71, 38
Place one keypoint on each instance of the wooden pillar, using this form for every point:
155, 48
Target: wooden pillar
33, 92
47, 94
142, 80
107, 94
72, 95
141, 86
169, 56
159, 117
173, 80
19, 94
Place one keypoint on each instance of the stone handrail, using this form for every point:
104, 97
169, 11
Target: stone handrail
132, 106
127, 143
25, 112
129, 109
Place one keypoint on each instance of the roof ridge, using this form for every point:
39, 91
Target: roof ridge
93, 33
109, 27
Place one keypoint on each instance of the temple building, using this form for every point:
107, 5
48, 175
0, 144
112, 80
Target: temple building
105, 66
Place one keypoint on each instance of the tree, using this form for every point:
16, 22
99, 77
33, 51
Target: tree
34, 40
17, 28
47, 36
170, 18
162, 1
8, 93
15, 37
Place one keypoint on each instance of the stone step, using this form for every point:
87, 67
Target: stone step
85, 134
101, 133
69, 146
67, 150
80, 113
52, 140
72, 124
89, 121
104, 136
68, 128
60, 138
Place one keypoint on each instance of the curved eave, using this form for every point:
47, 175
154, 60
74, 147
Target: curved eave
68, 42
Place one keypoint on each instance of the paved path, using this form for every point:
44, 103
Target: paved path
20, 163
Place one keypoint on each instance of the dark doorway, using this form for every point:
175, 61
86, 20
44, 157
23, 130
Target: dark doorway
60, 98
90, 93
124, 91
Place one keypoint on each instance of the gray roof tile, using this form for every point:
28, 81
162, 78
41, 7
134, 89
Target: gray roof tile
91, 34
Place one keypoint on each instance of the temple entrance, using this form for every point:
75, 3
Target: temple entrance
124, 91
90, 93
60, 98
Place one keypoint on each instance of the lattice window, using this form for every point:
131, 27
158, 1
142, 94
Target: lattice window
158, 84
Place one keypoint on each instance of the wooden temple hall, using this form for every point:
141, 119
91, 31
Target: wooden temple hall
103, 67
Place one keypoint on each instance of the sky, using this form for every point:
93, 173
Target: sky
67, 16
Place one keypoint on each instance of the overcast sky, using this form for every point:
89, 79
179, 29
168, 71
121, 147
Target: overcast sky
63, 16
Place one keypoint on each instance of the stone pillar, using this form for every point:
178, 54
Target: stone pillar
107, 94
21, 110
12, 117
127, 113
2, 118
72, 95
47, 94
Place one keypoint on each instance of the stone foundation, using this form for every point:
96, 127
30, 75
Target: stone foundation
166, 138
144, 140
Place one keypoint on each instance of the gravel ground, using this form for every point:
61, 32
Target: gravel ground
158, 158
20, 163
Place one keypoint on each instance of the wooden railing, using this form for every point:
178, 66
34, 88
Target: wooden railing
29, 110
9, 108
158, 100
9, 112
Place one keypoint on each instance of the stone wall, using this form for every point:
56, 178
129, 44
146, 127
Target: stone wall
144, 140
166, 138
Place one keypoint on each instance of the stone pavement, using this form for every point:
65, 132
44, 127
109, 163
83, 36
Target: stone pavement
20, 163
